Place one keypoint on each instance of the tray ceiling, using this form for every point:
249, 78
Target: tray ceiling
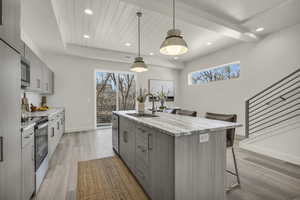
114, 23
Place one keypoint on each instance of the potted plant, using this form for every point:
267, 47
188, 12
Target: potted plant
162, 97
141, 102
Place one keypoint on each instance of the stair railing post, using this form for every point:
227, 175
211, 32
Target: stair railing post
247, 119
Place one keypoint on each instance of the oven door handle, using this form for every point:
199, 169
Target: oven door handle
42, 126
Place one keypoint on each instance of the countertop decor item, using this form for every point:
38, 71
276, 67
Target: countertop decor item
174, 44
139, 64
141, 101
162, 97
25, 104
33, 108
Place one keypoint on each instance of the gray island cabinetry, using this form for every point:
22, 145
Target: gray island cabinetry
175, 157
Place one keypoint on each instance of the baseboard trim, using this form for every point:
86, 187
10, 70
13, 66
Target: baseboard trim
85, 129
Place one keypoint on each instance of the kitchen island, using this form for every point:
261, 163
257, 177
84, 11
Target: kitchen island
175, 157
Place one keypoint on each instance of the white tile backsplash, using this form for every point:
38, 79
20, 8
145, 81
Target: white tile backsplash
33, 98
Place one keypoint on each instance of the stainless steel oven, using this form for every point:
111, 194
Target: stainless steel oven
41, 150
41, 142
25, 73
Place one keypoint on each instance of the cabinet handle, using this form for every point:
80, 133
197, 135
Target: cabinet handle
1, 149
150, 146
38, 83
32, 154
52, 132
141, 173
142, 130
1, 12
142, 148
125, 136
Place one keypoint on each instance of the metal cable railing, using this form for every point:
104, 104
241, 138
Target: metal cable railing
274, 105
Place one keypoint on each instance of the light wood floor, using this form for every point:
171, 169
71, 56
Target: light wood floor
262, 178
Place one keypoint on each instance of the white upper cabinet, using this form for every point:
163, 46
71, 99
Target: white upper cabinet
41, 77
10, 30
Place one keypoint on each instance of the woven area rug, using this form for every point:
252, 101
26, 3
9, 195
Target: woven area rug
107, 179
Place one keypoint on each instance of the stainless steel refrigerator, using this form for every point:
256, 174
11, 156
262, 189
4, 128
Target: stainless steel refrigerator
10, 122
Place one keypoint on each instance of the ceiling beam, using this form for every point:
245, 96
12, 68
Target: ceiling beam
196, 17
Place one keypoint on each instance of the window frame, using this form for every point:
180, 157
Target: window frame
211, 68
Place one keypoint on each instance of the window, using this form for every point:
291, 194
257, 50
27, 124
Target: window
114, 91
219, 73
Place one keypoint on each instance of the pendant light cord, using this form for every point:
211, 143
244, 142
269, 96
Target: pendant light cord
173, 14
139, 33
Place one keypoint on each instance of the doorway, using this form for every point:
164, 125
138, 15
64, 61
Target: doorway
114, 91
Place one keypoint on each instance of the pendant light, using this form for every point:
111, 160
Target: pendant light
174, 43
139, 64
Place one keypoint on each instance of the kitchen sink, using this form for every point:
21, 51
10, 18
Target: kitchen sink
141, 115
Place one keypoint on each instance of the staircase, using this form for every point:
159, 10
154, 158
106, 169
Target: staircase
272, 121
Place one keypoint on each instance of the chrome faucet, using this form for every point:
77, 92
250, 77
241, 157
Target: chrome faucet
153, 100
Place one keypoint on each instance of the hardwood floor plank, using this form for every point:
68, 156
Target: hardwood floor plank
262, 178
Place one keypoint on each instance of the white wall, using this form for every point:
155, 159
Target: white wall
75, 86
262, 63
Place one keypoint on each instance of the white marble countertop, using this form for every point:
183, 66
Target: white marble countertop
48, 113
179, 125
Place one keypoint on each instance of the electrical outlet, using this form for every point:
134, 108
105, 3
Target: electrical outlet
203, 138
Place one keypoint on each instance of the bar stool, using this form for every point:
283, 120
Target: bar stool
186, 113
230, 134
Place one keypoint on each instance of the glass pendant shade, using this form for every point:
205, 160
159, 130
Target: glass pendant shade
174, 44
139, 65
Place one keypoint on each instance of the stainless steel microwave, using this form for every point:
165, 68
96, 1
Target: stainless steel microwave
25, 73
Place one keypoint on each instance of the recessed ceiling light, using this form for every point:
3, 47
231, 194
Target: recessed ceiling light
251, 35
151, 54
259, 29
88, 11
86, 36
127, 44
209, 43
176, 58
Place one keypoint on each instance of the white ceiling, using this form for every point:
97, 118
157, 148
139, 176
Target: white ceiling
235, 10
61, 24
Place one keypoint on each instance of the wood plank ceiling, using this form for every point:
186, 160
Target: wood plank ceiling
114, 23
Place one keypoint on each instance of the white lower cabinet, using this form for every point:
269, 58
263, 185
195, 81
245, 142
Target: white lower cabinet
28, 169
55, 131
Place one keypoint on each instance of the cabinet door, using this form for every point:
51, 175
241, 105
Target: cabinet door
51, 139
51, 82
10, 120
45, 79
124, 144
127, 142
161, 166
142, 148
35, 71
10, 30
28, 171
